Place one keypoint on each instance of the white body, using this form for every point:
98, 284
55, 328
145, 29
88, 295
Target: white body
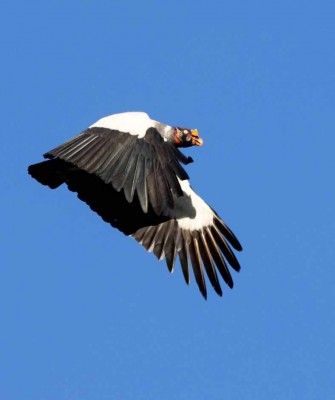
134, 123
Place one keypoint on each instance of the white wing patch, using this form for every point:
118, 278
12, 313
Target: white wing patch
134, 123
190, 211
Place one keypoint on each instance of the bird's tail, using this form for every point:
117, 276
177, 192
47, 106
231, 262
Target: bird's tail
51, 172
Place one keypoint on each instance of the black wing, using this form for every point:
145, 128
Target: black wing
148, 166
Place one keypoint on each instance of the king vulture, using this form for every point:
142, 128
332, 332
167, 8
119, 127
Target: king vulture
128, 168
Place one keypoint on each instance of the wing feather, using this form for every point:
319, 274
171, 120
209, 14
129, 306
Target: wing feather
160, 240
96, 156
169, 245
105, 171
153, 193
183, 258
226, 232
208, 264
141, 184
196, 264
70, 147
87, 152
148, 238
120, 170
130, 176
217, 257
230, 256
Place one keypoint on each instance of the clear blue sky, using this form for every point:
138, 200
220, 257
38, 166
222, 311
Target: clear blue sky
86, 313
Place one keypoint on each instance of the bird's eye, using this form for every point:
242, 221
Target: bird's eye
185, 131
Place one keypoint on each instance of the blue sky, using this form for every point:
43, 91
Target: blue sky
86, 313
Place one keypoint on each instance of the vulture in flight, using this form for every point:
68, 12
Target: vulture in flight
128, 168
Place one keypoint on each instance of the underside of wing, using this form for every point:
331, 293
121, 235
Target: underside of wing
206, 251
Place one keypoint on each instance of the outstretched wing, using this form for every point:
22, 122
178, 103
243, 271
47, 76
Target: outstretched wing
148, 166
200, 239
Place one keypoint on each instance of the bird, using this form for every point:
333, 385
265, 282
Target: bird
129, 169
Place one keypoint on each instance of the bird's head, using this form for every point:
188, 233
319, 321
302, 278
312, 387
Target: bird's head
184, 137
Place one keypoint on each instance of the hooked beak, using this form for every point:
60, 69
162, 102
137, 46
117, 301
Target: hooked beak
196, 140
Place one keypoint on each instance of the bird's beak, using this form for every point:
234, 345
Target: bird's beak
196, 140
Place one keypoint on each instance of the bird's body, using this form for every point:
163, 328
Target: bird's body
128, 168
